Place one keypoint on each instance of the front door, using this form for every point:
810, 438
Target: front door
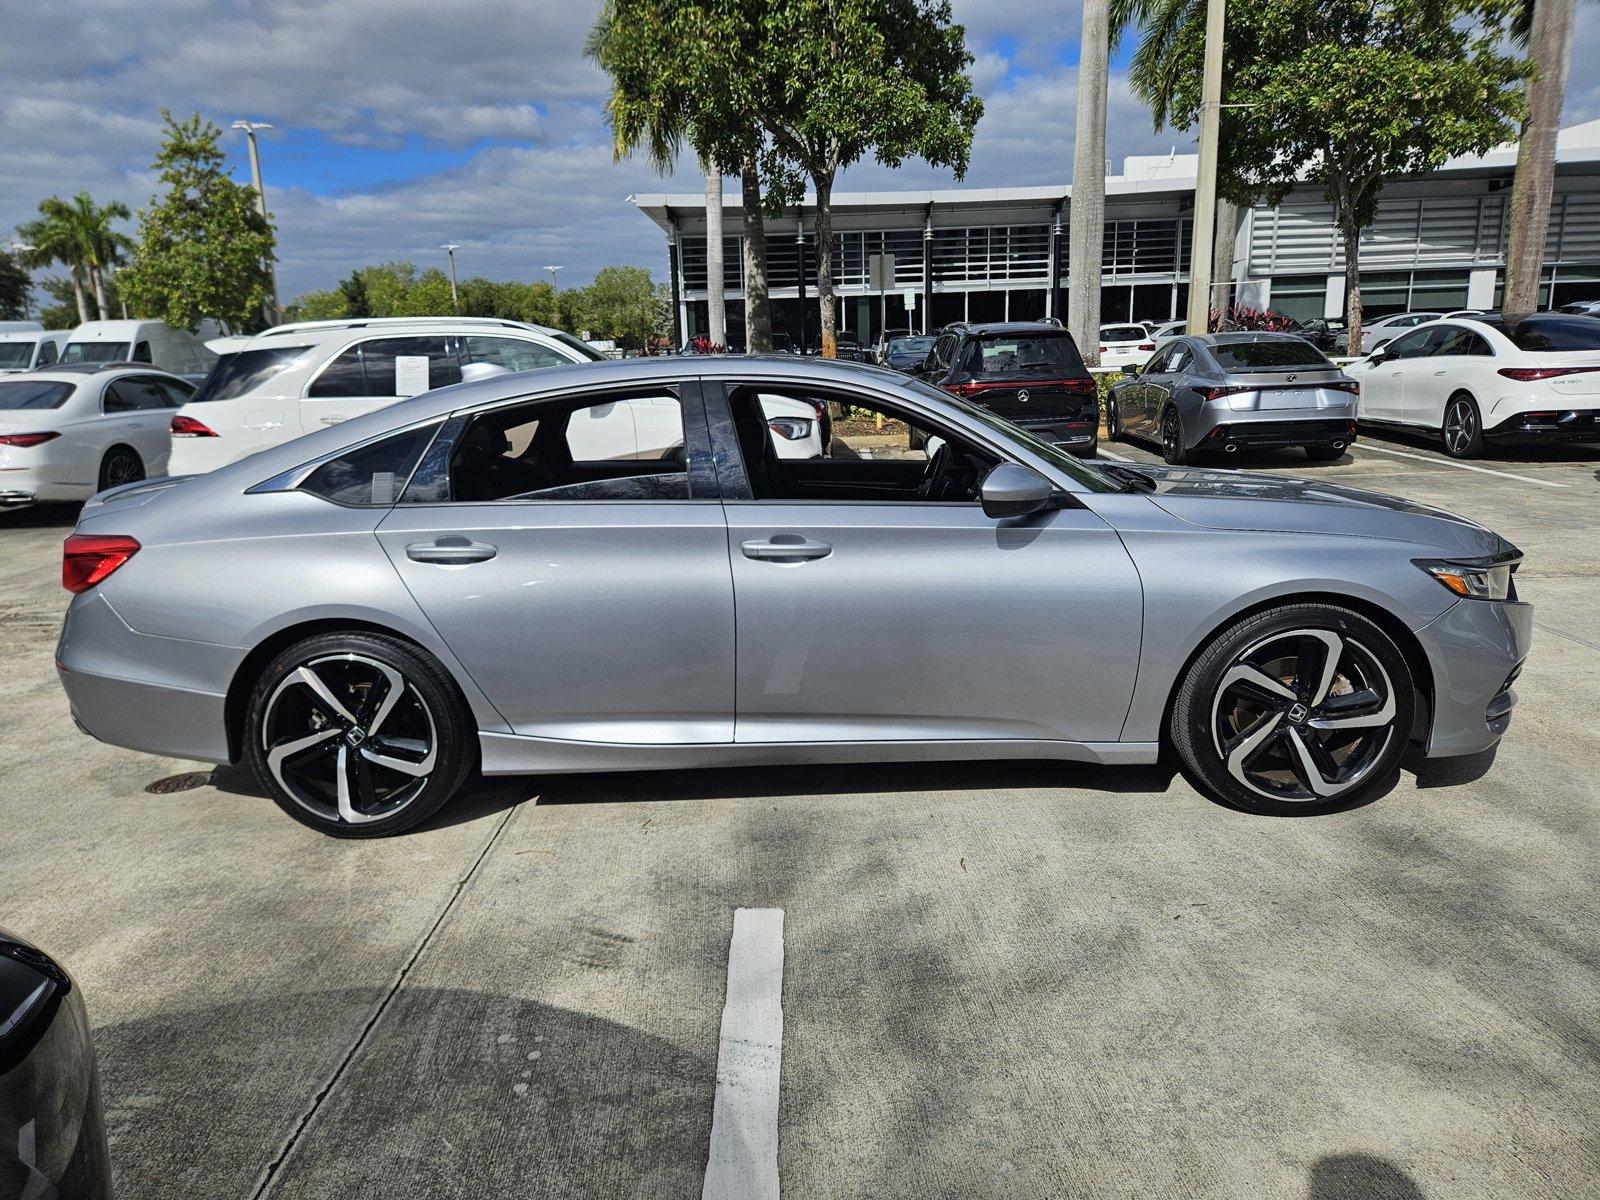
1384, 382
589, 598
893, 609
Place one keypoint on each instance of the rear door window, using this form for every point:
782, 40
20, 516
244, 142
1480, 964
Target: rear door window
514, 354
1454, 341
137, 394
389, 367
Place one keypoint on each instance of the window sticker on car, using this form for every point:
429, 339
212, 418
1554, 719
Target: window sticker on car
410, 374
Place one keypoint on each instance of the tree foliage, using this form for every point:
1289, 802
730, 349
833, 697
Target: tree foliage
203, 247
15, 284
1344, 94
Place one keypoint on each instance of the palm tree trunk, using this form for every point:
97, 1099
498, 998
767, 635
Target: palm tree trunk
757, 307
78, 294
716, 302
1549, 46
97, 278
826, 301
1086, 214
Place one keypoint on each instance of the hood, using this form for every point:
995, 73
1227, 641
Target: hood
1244, 500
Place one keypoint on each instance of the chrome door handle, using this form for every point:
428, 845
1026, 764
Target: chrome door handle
332, 420
1438, 373
448, 551
786, 547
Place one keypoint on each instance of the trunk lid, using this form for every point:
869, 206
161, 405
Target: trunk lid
1031, 398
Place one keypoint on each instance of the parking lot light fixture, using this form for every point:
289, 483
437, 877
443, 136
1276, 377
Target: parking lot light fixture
251, 128
450, 248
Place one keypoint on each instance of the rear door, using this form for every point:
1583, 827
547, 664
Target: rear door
376, 372
591, 600
138, 411
1432, 376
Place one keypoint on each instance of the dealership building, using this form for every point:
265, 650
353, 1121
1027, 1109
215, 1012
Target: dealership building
992, 254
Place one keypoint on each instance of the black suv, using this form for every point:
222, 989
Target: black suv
1029, 372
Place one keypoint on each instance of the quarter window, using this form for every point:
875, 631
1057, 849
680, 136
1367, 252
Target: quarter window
372, 475
134, 395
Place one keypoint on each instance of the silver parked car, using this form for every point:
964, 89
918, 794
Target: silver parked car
369, 614
1221, 391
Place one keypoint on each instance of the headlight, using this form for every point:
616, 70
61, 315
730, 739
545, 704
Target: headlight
1476, 578
791, 428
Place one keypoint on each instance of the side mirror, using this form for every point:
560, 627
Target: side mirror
1132, 369
1378, 355
1012, 490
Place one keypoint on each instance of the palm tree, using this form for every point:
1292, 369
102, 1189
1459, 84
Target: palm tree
1153, 74
1086, 216
1545, 27
78, 232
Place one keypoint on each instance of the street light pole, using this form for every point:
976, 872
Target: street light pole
1203, 241
553, 282
450, 248
250, 128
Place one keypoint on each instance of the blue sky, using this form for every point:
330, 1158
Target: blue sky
403, 124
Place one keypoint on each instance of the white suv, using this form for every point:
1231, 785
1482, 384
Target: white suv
295, 379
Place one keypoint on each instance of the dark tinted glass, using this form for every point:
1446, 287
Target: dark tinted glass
1558, 333
579, 345
141, 353
245, 371
16, 354
514, 354
177, 391
1023, 354
1285, 354
48, 354
134, 395
1453, 342
342, 377
379, 355
1411, 345
95, 352
910, 345
32, 393
373, 474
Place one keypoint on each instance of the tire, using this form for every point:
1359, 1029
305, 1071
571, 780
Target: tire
1323, 454
1462, 434
426, 742
1172, 447
119, 466
1246, 720
1113, 420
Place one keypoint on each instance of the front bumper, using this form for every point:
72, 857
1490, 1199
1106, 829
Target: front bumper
1476, 648
1547, 426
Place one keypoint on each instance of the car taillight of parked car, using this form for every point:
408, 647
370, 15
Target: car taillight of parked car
1217, 393
24, 440
1534, 374
1147, 345
189, 427
1345, 385
89, 558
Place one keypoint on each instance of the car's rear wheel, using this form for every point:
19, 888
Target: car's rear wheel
1172, 447
1463, 427
1113, 420
1295, 709
119, 466
358, 734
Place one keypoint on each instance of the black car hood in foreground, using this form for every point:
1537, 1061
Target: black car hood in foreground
1245, 500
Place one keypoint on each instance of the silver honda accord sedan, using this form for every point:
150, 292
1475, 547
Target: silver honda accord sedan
611, 566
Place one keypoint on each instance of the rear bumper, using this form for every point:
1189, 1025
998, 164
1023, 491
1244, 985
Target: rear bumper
1077, 436
1312, 431
1477, 648
145, 693
1535, 428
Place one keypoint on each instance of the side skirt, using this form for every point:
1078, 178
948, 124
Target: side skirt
510, 754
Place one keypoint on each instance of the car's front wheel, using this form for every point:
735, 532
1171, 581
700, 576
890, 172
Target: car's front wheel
1295, 709
358, 734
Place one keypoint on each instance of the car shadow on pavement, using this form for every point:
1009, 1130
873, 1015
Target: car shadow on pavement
1449, 772
730, 783
1360, 1177
41, 516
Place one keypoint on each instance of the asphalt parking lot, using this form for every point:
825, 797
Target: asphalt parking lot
1006, 980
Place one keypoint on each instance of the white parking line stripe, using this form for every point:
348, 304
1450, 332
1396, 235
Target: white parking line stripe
1447, 462
1114, 457
743, 1163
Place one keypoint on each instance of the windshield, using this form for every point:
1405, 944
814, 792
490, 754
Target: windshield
33, 393
1076, 468
582, 347
911, 345
15, 354
244, 371
95, 352
1279, 354
1045, 352
1556, 333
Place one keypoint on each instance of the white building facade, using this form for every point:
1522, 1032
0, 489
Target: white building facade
1001, 253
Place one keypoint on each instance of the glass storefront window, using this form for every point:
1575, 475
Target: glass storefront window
1439, 291
1299, 296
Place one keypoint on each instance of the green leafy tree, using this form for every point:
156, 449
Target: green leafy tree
80, 233
845, 78
51, 239
203, 247
388, 287
354, 291
1346, 94
15, 284
327, 305
619, 306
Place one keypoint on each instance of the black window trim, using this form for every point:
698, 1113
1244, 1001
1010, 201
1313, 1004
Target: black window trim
452, 351
290, 480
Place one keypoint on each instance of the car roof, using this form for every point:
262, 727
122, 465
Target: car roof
75, 372
985, 329
396, 324
1235, 336
110, 331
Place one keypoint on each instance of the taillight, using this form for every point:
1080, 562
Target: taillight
188, 427
1217, 393
1533, 374
27, 439
1102, 349
1147, 345
1347, 385
88, 558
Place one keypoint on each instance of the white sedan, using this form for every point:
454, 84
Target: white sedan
1474, 381
68, 433
1125, 345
